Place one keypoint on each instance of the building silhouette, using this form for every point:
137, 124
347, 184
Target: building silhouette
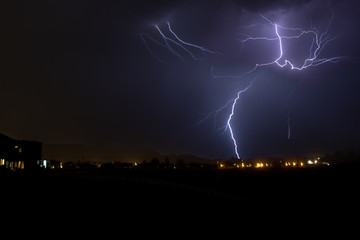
20, 154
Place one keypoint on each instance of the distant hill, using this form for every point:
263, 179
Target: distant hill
189, 158
92, 153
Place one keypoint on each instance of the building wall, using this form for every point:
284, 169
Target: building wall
19, 154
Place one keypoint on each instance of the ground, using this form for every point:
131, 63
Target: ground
140, 195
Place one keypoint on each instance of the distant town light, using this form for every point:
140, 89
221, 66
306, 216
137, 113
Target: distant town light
259, 165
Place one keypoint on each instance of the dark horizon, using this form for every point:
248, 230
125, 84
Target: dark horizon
99, 73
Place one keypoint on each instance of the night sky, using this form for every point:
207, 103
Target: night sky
79, 72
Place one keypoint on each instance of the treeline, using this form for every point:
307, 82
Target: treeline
341, 158
155, 163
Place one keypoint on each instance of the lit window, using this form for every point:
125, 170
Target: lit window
16, 146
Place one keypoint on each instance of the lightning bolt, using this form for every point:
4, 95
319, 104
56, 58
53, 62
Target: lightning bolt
173, 43
319, 41
228, 124
180, 48
288, 121
232, 102
202, 49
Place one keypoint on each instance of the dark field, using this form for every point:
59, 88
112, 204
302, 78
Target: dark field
197, 194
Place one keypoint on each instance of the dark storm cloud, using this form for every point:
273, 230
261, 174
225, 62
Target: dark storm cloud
263, 5
48, 15
160, 8
255, 5
134, 10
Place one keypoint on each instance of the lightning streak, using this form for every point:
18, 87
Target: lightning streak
142, 36
174, 44
214, 115
230, 118
178, 47
319, 41
232, 103
203, 50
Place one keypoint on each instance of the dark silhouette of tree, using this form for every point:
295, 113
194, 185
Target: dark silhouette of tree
180, 163
167, 161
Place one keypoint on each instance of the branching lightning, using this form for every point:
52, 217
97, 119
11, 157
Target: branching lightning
172, 42
228, 124
180, 48
319, 41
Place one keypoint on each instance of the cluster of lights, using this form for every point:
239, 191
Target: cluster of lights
261, 165
294, 164
317, 161
245, 165
266, 164
313, 162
